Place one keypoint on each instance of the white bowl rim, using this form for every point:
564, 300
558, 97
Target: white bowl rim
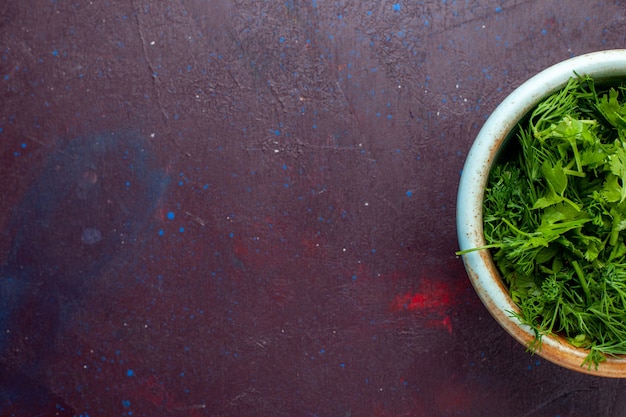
480, 268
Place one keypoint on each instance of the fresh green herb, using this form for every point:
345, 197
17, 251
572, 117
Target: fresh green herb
555, 218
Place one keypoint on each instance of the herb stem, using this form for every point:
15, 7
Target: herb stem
583, 280
492, 246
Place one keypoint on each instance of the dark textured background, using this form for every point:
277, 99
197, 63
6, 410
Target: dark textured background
247, 208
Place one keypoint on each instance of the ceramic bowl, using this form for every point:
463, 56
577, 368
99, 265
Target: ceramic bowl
492, 137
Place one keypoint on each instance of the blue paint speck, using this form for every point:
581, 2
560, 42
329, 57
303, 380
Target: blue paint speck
409, 193
181, 230
543, 31
125, 403
55, 53
498, 9
130, 372
171, 215
396, 7
161, 232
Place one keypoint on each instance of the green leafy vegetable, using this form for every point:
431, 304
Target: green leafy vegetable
555, 218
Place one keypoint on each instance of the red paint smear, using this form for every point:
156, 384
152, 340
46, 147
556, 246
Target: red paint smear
444, 323
433, 301
241, 249
434, 297
447, 323
159, 213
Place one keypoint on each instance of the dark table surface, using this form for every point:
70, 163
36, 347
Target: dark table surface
247, 208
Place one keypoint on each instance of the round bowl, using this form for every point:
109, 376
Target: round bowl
492, 137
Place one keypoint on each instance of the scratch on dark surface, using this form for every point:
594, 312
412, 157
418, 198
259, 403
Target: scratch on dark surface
259, 342
246, 398
151, 67
360, 129
42, 143
295, 146
196, 219
551, 400
191, 407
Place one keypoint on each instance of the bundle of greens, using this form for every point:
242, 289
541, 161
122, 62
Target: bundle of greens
555, 218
